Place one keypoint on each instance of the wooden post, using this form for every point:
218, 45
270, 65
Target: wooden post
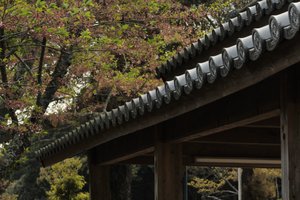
290, 134
99, 179
169, 171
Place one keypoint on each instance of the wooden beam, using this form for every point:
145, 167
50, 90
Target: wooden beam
191, 151
99, 182
238, 161
126, 147
140, 160
232, 150
242, 135
190, 161
169, 171
237, 110
269, 123
290, 134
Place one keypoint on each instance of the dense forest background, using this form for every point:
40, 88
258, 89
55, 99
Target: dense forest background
64, 61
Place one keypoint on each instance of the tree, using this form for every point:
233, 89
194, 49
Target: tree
62, 61
65, 182
221, 183
215, 183
261, 184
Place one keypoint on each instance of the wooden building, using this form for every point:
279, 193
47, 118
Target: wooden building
233, 106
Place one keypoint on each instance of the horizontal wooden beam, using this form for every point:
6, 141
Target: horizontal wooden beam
242, 135
140, 160
269, 123
232, 150
225, 155
126, 147
237, 162
226, 162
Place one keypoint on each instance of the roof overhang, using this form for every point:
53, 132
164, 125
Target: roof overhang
267, 63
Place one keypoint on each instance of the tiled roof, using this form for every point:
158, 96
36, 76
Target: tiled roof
281, 27
249, 16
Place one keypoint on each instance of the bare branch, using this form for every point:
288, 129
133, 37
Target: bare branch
40, 69
23, 63
2, 57
213, 197
108, 99
39, 79
228, 182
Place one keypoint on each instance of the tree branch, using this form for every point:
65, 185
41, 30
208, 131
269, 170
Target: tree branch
2, 57
40, 69
108, 99
213, 197
39, 79
59, 73
228, 182
23, 63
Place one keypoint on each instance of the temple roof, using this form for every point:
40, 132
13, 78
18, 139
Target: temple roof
255, 15
265, 39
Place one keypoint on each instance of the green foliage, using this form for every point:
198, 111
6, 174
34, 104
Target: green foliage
65, 182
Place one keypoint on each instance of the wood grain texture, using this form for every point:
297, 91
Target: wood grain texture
169, 171
99, 182
290, 134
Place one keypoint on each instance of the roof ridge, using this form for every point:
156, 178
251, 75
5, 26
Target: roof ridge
283, 26
254, 12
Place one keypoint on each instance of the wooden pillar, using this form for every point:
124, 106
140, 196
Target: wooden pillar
169, 171
99, 179
290, 134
